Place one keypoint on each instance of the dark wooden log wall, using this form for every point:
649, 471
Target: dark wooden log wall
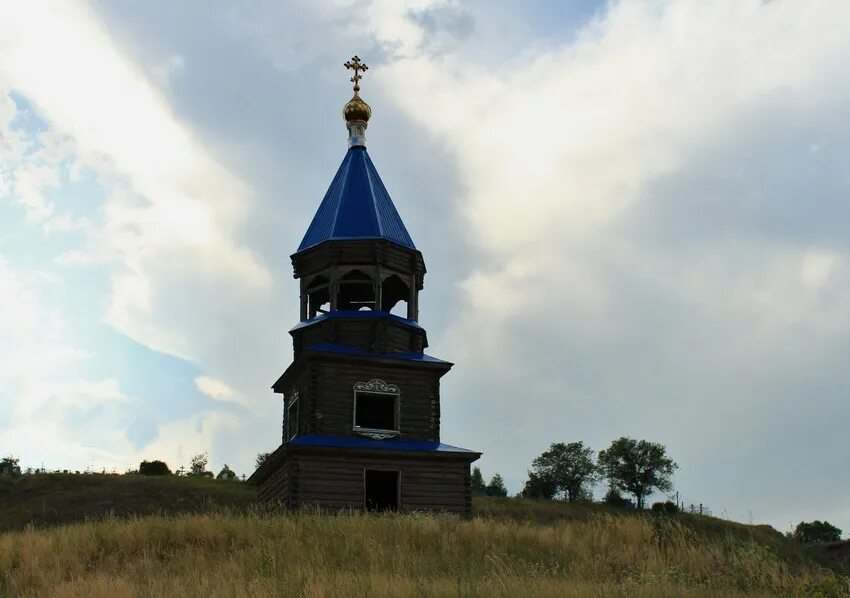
280, 486
335, 482
379, 335
331, 396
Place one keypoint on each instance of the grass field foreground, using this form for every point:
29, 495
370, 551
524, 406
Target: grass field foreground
311, 554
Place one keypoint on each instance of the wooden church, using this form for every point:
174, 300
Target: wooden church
361, 400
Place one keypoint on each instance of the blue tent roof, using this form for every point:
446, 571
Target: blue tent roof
356, 206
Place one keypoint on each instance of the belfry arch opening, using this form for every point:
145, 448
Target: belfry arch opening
356, 291
318, 296
394, 296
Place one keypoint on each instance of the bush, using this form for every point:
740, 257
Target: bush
154, 468
665, 507
226, 474
816, 531
615, 499
539, 487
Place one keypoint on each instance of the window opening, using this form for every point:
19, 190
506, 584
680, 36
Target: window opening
292, 418
318, 297
394, 295
356, 291
376, 409
381, 490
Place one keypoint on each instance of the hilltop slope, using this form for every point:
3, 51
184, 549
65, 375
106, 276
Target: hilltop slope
310, 554
214, 543
54, 499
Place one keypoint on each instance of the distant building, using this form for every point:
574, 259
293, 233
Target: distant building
361, 424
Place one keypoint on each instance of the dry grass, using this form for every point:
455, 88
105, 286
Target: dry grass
310, 554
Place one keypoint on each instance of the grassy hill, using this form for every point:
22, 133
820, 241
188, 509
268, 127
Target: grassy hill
55, 499
207, 541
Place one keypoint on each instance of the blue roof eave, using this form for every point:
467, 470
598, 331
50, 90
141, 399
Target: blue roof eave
356, 351
390, 444
362, 238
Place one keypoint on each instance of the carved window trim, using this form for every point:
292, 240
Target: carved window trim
376, 386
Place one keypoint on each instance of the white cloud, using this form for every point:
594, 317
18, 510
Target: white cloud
167, 235
172, 206
606, 328
39, 381
31, 165
55, 418
215, 389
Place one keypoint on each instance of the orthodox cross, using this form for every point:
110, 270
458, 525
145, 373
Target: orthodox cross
355, 65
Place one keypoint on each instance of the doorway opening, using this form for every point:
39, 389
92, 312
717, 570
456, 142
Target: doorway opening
382, 490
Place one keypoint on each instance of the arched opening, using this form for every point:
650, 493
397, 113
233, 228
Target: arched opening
356, 291
394, 295
318, 296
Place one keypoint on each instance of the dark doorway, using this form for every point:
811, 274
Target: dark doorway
381, 490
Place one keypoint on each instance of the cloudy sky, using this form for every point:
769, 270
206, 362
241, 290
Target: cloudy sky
634, 216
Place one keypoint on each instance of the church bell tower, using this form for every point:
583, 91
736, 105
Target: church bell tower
361, 399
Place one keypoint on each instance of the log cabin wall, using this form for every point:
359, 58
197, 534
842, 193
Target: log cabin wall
381, 335
280, 487
335, 481
333, 394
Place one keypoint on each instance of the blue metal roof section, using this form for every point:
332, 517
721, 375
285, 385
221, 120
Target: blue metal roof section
392, 444
356, 206
346, 350
366, 314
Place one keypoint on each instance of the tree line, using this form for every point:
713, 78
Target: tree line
10, 465
570, 470
197, 468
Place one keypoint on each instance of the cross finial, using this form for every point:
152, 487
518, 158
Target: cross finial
355, 65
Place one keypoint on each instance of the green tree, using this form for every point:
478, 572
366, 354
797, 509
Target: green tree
539, 487
154, 468
816, 531
226, 474
569, 466
496, 487
262, 458
199, 466
637, 467
10, 465
477, 482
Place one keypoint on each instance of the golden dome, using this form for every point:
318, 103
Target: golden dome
356, 110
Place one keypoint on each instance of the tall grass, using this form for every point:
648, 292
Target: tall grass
314, 555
